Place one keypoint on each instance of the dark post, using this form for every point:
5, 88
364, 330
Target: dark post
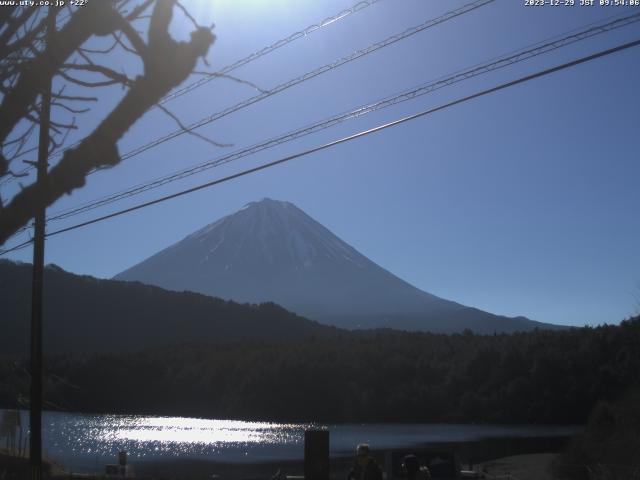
388, 463
122, 461
35, 411
316, 455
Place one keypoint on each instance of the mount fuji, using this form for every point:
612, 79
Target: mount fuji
272, 251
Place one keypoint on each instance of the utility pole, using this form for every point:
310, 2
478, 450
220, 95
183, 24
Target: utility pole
35, 404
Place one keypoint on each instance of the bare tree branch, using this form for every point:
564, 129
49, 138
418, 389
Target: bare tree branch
107, 72
139, 47
87, 84
17, 175
139, 10
167, 63
13, 24
98, 51
188, 15
232, 78
70, 109
55, 145
94, 18
21, 42
190, 131
75, 98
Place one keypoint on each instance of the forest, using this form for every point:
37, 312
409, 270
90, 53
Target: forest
375, 376
87, 314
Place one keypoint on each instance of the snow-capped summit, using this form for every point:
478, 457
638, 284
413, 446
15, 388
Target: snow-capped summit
279, 232
271, 250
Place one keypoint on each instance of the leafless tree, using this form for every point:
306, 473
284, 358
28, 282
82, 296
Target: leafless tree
29, 54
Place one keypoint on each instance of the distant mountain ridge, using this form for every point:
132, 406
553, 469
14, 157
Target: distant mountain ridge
272, 251
86, 314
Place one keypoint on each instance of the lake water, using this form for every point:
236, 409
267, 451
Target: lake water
85, 442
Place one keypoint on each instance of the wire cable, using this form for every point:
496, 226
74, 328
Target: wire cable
346, 139
302, 78
266, 50
237, 64
500, 62
308, 76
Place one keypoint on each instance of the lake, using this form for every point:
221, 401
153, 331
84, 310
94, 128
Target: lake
86, 442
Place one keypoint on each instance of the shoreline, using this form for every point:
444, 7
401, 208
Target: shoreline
527, 466
493, 456
524, 466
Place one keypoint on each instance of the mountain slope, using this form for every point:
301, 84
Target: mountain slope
272, 251
84, 314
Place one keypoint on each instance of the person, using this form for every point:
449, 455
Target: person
366, 467
413, 471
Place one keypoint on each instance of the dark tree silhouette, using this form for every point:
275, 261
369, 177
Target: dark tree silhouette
182, 353
27, 60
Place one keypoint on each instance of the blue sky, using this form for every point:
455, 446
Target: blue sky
523, 202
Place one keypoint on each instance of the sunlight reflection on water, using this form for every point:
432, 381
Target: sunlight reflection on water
195, 430
85, 443
79, 440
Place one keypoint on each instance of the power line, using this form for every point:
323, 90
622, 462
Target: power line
308, 76
266, 50
349, 138
235, 65
16, 247
295, 81
500, 62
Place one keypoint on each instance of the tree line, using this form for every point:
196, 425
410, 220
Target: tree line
374, 376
